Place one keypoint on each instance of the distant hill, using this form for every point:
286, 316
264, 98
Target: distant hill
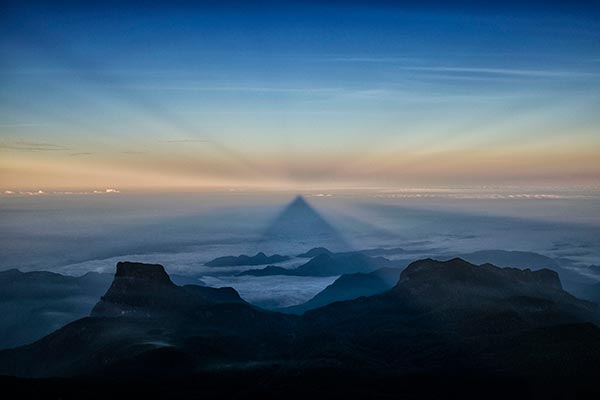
315, 251
350, 286
258, 259
504, 258
33, 304
329, 264
269, 270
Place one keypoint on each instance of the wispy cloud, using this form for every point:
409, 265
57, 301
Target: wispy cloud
505, 71
81, 154
234, 88
63, 193
419, 64
186, 141
25, 145
23, 125
369, 59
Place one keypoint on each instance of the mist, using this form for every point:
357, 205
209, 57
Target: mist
77, 234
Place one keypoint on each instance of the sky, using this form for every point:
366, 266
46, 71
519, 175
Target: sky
278, 95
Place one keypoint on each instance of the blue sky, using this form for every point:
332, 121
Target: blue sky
265, 94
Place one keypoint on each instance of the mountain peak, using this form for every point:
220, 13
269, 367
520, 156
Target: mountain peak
432, 273
146, 290
315, 251
148, 272
135, 286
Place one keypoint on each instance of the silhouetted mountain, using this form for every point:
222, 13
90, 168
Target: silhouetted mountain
267, 271
350, 286
440, 318
258, 259
339, 264
328, 264
456, 316
143, 290
33, 304
516, 259
315, 251
300, 224
431, 278
143, 312
572, 281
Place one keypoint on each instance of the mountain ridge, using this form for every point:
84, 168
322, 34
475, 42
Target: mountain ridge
259, 258
422, 322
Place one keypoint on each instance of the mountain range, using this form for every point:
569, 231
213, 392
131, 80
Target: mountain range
34, 304
329, 264
501, 324
354, 285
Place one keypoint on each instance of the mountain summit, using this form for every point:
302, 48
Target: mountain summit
146, 290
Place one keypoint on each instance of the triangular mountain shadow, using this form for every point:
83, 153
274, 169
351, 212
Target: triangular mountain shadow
299, 227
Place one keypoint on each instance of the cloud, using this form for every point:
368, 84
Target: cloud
506, 72
62, 193
81, 154
22, 125
234, 88
369, 59
35, 193
106, 191
462, 69
480, 196
24, 145
186, 141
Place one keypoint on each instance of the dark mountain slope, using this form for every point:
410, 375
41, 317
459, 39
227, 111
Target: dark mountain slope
591, 292
459, 316
143, 311
34, 304
572, 281
440, 317
146, 289
350, 286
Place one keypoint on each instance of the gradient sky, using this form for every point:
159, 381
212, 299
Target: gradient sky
282, 95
